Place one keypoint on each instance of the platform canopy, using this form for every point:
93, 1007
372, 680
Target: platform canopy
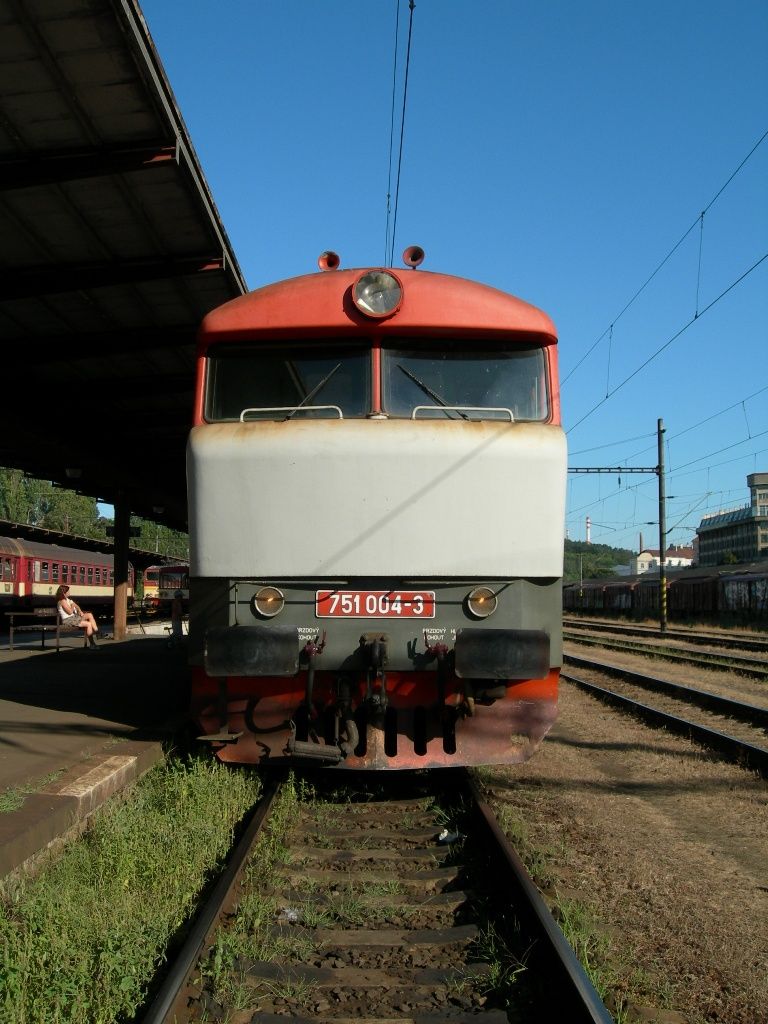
112, 251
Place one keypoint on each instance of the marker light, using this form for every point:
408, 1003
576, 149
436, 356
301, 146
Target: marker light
267, 602
482, 602
377, 293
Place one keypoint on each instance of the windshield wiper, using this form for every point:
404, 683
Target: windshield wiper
428, 391
308, 398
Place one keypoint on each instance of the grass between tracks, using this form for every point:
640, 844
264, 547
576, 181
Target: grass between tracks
80, 942
249, 935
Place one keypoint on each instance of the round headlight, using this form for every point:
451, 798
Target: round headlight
267, 602
482, 602
377, 293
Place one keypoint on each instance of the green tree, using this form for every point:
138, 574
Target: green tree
163, 540
13, 497
24, 499
592, 561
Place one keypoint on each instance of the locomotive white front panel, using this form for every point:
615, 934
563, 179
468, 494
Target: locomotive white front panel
376, 498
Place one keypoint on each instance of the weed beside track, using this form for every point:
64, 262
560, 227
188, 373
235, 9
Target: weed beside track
81, 941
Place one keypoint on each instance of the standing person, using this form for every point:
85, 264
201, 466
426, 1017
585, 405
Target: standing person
177, 616
72, 615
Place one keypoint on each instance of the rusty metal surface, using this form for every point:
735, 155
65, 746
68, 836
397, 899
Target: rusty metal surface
506, 731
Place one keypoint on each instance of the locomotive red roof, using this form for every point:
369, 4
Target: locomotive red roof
322, 303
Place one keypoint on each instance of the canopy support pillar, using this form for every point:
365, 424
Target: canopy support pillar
122, 525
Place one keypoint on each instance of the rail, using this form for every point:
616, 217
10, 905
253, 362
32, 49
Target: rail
711, 660
749, 755
406, 948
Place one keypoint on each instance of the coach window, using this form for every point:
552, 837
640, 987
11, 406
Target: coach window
295, 380
486, 382
55, 572
46, 572
90, 576
65, 573
82, 574
98, 577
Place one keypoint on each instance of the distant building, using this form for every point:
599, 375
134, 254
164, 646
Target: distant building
738, 534
648, 560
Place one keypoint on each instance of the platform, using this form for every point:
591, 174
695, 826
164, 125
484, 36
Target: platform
76, 727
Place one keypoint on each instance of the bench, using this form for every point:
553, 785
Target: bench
42, 621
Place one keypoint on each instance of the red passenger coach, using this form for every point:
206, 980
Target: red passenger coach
31, 572
377, 494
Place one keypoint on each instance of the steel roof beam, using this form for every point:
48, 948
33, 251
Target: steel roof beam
34, 282
58, 348
55, 170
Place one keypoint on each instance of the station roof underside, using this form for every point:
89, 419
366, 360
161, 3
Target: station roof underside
112, 252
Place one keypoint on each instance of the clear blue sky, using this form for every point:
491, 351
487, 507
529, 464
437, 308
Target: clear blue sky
558, 151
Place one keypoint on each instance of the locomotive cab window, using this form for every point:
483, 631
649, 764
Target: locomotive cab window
286, 382
458, 380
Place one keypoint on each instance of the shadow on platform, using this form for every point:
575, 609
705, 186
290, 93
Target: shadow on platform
139, 683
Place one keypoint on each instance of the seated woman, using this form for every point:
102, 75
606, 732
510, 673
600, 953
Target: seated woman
72, 615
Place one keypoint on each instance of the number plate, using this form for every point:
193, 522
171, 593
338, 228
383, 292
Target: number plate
375, 604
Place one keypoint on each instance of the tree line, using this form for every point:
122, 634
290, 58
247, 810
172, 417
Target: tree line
24, 499
592, 561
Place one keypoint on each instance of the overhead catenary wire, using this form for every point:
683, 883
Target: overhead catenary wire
669, 341
735, 405
749, 414
678, 474
613, 444
411, 5
575, 514
392, 130
699, 220
741, 403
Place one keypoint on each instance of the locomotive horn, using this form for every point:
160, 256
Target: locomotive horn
328, 260
413, 256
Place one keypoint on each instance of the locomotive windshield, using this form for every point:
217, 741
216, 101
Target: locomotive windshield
250, 382
458, 382
434, 380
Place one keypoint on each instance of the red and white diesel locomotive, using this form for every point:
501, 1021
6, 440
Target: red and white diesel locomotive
377, 493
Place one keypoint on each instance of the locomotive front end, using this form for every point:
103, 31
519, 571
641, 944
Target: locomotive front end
377, 485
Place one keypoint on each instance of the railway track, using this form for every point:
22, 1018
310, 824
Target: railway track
739, 641
707, 715
657, 647
379, 910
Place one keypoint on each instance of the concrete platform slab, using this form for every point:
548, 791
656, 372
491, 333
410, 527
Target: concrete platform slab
78, 726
